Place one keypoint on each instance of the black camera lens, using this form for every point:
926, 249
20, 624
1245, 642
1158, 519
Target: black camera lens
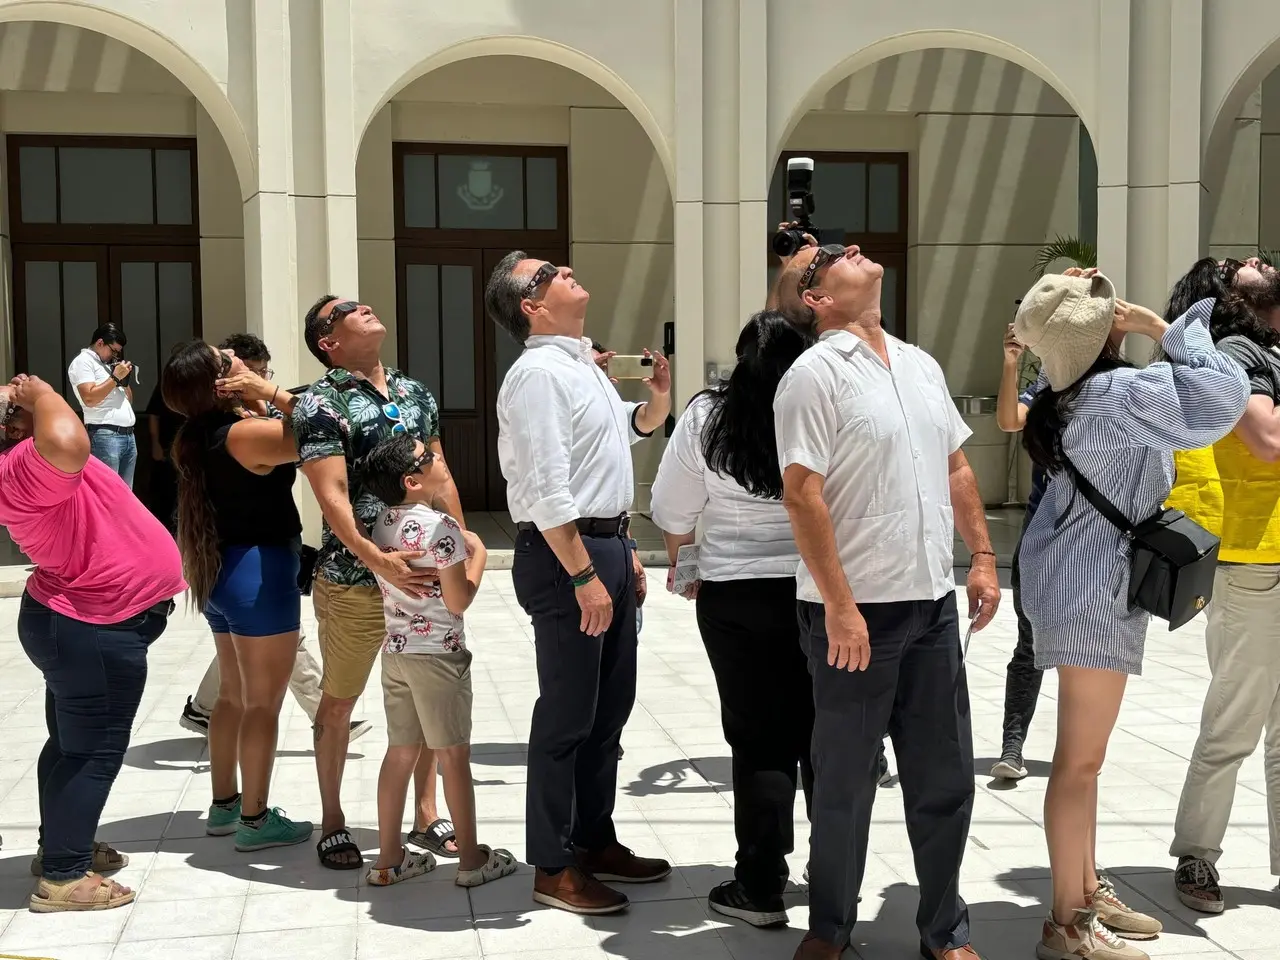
786, 242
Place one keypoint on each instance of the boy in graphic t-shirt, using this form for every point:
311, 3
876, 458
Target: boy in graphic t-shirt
426, 666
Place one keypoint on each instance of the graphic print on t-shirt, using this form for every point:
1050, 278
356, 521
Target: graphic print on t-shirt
420, 624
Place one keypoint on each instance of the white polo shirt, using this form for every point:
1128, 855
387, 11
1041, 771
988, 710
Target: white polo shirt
115, 410
881, 436
564, 436
743, 536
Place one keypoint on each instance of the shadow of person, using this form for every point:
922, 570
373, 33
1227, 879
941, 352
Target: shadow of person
180, 752
684, 774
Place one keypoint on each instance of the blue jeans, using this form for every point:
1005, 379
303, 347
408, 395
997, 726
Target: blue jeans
117, 450
94, 676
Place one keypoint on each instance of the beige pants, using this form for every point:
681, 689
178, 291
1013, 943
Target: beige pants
304, 683
1243, 641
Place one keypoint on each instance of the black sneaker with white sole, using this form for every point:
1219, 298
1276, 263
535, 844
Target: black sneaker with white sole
732, 900
358, 729
193, 719
883, 776
1009, 766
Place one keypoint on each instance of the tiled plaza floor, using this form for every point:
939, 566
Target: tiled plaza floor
200, 900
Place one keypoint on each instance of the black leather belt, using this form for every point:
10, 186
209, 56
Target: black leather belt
110, 428
591, 526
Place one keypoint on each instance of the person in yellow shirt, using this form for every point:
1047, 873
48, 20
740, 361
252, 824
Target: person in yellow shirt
1233, 489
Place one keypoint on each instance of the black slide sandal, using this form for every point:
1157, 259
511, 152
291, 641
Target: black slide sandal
332, 845
434, 837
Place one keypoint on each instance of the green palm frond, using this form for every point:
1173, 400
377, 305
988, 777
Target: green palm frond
1270, 257
1079, 252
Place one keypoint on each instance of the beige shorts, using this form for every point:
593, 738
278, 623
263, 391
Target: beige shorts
351, 631
428, 698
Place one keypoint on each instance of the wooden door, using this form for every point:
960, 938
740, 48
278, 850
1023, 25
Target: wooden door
60, 296
440, 332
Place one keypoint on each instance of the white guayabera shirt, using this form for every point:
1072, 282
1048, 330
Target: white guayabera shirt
881, 436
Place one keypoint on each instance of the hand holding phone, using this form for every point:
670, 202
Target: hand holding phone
635, 367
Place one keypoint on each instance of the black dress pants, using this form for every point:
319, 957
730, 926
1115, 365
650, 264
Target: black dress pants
915, 688
766, 707
1022, 679
586, 688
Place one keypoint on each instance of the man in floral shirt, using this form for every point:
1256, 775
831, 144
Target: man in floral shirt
337, 422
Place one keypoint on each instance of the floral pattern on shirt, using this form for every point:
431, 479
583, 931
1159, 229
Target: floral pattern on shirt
341, 415
421, 624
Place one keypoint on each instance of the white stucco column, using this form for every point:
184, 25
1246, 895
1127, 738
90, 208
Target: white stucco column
689, 265
341, 142
1111, 143
720, 158
753, 156
1187, 229
270, 252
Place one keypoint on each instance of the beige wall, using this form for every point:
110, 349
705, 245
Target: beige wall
620, 206
57, 79
978, 128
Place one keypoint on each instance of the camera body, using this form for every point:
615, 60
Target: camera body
799, 208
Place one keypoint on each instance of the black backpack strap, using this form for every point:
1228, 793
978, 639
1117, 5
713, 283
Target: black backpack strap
1101, 503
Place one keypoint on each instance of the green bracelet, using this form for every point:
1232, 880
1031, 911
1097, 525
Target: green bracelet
582, 578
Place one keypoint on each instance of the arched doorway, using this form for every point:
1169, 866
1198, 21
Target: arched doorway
953, 168
123, 203
489, 154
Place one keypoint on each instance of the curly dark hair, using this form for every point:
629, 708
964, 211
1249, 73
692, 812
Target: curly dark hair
738, 439
1233, 315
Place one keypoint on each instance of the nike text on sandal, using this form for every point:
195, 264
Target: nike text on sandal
333, 845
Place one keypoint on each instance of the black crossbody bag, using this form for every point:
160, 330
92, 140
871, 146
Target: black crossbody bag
1172, 558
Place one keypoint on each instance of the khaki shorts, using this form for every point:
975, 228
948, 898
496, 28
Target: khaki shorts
351, 633
428, 698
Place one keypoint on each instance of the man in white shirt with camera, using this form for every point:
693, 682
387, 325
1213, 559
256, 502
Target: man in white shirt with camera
99, 374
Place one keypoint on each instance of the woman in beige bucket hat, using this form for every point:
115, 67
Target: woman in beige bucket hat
1117, 425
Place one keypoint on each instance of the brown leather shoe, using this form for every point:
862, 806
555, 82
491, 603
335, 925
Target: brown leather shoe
617, 864
949, 953
811, 948
578, 892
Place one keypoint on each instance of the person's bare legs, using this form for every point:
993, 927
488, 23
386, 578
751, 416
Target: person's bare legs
224, 722
1091, 849
265, 666
331, 735
393, 784
426, 796
1088, 704
460, 794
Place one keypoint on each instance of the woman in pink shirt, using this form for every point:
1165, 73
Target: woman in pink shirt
102, 590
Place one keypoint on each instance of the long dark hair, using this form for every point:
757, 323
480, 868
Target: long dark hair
738, 438
1232, 316
1051, 411
187, 385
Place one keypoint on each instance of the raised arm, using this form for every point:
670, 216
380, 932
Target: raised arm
259, 444
1191, 401
60, 437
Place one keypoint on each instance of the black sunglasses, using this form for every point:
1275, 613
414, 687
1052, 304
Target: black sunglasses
544, 273
1228, 270
340, 312
825, 255
421, 461
225, 358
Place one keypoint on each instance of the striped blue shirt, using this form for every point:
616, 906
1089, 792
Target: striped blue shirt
1121, 431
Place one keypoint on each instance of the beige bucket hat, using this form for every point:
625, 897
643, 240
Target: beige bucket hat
1065, 321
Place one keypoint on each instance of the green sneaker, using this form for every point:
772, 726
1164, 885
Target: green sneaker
223, 821
276, 830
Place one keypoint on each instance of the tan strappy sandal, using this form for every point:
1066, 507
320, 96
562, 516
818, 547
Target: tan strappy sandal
105, 859
52, 897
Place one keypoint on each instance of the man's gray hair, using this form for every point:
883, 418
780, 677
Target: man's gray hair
502, 297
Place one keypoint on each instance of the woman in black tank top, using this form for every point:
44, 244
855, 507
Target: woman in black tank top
238, 532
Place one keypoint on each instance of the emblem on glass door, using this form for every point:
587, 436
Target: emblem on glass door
480, 192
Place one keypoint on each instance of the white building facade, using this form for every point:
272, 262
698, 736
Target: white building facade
198, 168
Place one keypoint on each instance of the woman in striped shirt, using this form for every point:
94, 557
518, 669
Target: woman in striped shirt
1116, 425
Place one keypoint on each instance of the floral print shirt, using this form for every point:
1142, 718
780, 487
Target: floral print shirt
420, 624
343, 415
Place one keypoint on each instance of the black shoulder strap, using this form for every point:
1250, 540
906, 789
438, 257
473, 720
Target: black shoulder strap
1101, 503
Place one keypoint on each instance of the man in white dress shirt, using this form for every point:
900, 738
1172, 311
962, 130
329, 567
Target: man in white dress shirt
564, 440
100, 377
875, 484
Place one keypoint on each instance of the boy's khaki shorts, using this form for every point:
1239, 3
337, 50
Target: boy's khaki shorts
351, 629
427, 698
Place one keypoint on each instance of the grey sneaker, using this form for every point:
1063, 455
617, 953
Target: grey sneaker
1009, 766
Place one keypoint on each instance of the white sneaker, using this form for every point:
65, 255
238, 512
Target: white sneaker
358, 729
1086, 939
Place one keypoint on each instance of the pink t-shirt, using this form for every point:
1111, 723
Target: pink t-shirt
100, 555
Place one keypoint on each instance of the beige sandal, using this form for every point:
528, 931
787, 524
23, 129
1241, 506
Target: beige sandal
106, 859
52, 897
